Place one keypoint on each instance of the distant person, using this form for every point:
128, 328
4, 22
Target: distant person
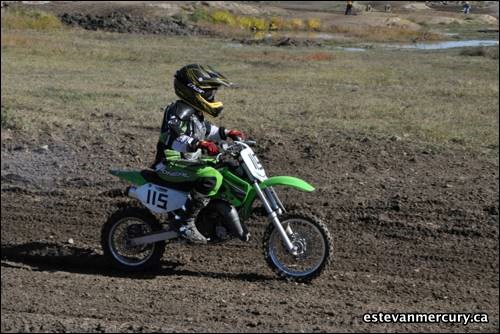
348, 8
387, 8
466, 7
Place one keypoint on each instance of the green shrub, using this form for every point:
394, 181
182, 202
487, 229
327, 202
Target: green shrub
277, 23
8, 120
296, 24
314, 24
245, 22
259, 23
199, 15
30, 19
224, 17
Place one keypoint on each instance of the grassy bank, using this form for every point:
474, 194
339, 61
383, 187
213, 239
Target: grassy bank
52, 78
22, 18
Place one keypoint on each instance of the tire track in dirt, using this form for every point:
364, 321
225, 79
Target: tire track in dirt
405, 239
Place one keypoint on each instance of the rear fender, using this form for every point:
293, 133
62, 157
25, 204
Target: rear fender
134, 177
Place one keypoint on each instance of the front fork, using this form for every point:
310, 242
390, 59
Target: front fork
272, 204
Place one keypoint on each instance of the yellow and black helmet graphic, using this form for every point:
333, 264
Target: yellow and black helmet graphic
196, 85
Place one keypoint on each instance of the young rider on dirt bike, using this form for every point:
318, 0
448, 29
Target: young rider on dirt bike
185, 133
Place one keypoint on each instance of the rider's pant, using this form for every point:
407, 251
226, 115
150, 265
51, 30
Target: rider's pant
205, 180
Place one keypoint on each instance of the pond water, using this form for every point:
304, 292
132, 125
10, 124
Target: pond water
418, 46
350, 49
424, 46
414, 46
442, 45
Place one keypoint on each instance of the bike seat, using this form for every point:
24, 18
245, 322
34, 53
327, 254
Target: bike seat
153, 177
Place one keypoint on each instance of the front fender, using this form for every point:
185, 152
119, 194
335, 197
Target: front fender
246, 209
289, 181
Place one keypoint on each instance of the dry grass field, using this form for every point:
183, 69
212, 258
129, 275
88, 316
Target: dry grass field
52, 77
401, 145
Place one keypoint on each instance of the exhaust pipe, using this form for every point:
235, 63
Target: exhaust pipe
233, 223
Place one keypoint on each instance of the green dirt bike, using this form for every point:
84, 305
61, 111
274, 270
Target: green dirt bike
297, 246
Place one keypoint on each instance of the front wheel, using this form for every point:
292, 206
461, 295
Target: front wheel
313, 245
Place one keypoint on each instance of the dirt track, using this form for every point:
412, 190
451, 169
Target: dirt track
415, 230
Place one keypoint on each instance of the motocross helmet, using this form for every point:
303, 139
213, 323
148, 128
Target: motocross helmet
196, 85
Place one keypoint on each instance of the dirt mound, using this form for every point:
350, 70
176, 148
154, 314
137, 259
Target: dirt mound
237, 7
456, 19
125, 23
416, 6
488, 19
480, 52
401, 23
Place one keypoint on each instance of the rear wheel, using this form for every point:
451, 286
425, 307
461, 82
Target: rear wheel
123, 225
313, 245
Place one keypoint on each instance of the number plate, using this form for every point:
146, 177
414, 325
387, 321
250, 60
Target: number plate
253, 164
160, 199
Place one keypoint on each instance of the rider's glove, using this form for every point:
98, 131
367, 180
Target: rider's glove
208, 146
235, 135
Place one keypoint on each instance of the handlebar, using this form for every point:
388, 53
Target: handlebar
250, 142
233, 149
225, 146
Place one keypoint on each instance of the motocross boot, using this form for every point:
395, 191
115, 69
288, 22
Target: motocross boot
187, 227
